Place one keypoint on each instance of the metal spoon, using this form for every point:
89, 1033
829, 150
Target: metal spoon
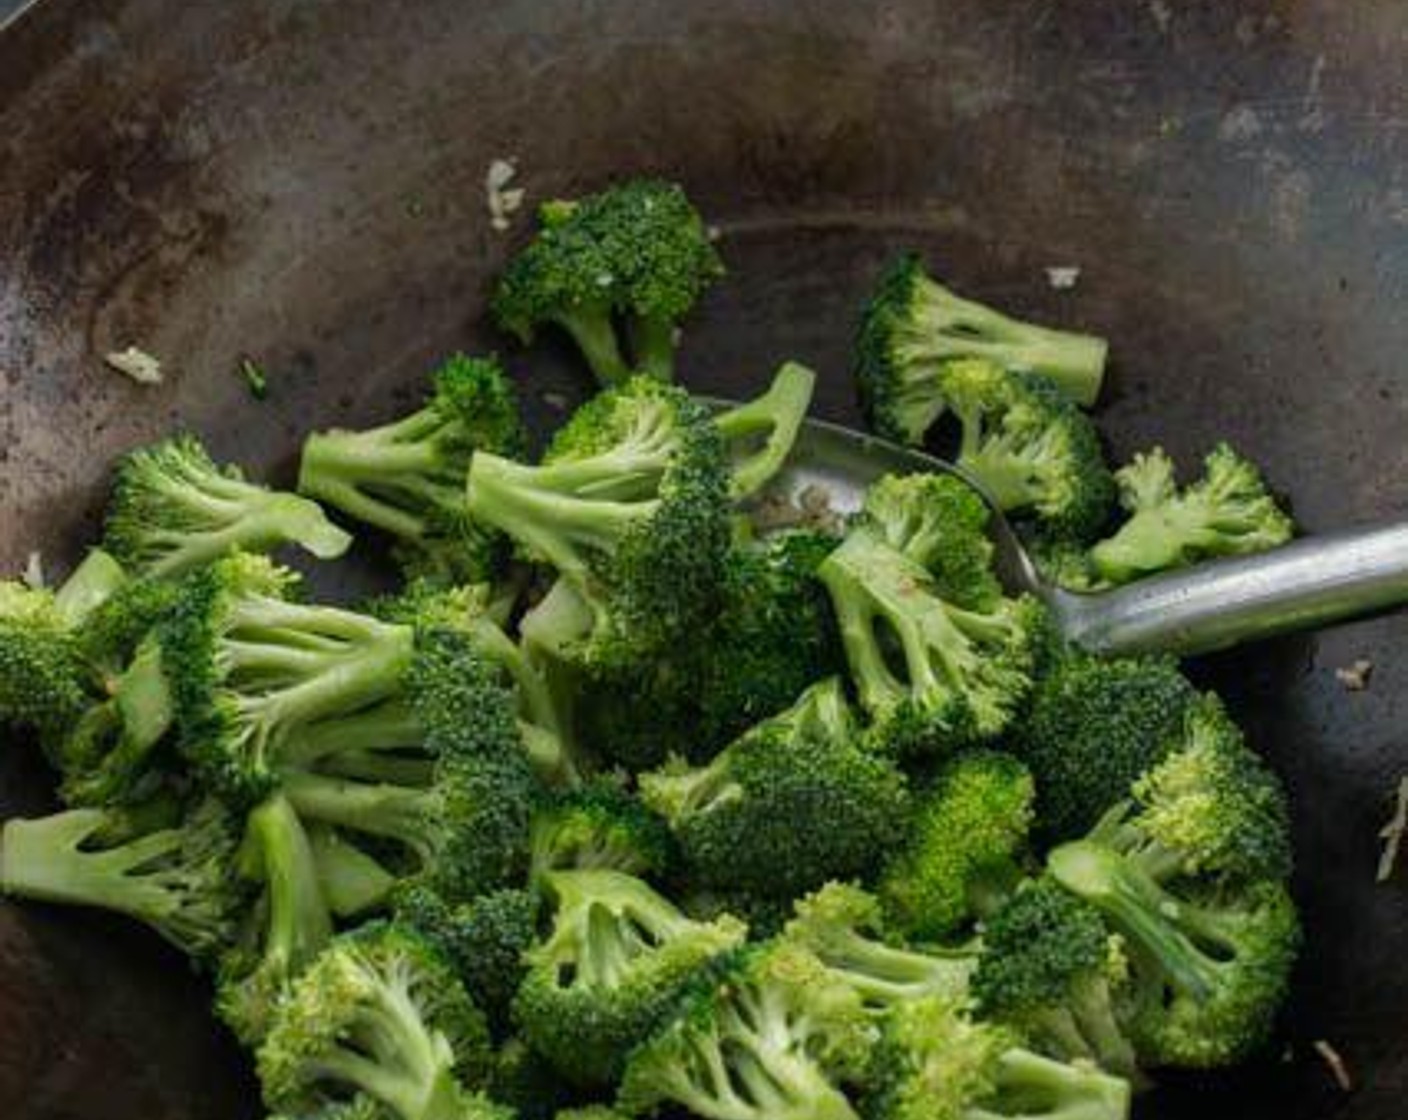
1307, 583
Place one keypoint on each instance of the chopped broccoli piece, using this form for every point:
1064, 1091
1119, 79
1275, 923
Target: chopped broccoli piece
759, 434
407, 478
1228, 512
353, 881
791, 804
843, 926
1031, 449
613, 966
966, 850
176, 880
282, 934
932, 674
1050, 970
174, 509
97, 579
44, 687
933, 1063
599, 827
637, 253
1094, 726
630, 506
771, 1037
378, 1013
914, 329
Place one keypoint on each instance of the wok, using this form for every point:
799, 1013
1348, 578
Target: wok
301, 181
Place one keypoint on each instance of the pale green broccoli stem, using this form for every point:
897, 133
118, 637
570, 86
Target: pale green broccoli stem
601, 916
279, 852
963, 328
884, 975
1038, 1086
374, 808
351, 881
388, 727
256, 520
595, 335
773, 418
143, 698
678, 792
88, 586
653, 345
1010, 469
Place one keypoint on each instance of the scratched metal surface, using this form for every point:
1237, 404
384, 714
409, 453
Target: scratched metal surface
301, 180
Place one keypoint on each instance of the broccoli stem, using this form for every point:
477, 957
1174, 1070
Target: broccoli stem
299, 925
1150, 541
265, 522
390, 727
375, 808
88, 586
884, 975
653, 345
595, 335
351, 881
1028, 1083
773, 418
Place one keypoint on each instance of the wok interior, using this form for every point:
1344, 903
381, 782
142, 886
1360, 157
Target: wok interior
303, 183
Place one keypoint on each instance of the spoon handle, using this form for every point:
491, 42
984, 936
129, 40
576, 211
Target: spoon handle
1304, 584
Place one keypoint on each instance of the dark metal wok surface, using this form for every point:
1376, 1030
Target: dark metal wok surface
302, 181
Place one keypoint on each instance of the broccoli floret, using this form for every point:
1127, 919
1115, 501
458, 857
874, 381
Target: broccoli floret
378, 1013
843, 926
966, 850
175, 880
791, 804
1209, 964
44, 687
932, 674
284, 932
913, 330
1032, 450
484, 939
933, 1063
599, 827
630, 506
637, 253
759, 434
1050, 970
173, 509
940, 522
773, 635
1228, 512
771, 1037
617, 958
1094, 726
407, 478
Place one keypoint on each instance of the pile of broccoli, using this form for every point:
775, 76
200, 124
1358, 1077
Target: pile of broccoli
628, 803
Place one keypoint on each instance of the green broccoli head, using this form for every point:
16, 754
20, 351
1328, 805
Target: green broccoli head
284, 932
1209, 964
791, 804
759, 434
913, 329
932, 674
1094, 727
1032, 450
771, 1036
378, 1013
599, 827
44, 685
637, 253
613, 966
407, 478
1050, 970
174, 879
934, 1063
941, 523
174, 509
966, 848
843, 926
484, 939
1228, 512
630, 506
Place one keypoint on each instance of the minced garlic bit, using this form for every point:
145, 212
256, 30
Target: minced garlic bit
1063, 277
504, 201
1392, 832
1338, 1070
1355, 677
33, 574
137, 364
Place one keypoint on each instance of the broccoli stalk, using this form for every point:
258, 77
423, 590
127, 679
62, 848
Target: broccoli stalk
96, 579
175, 880
617, 958
174, 509
407, 477
599, 827
953, 674
913, 329
760, 434
1228, 512
378, 1014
